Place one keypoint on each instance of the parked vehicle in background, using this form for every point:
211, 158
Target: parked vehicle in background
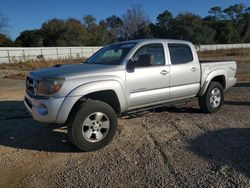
122, 78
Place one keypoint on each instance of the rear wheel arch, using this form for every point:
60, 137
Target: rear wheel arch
216, 76
220, 79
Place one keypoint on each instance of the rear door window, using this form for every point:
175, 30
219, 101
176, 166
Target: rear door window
180, 53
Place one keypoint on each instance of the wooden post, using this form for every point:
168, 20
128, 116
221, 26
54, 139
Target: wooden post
24, 55
70, 53
8, 52
82, 52
57, 53
42, 53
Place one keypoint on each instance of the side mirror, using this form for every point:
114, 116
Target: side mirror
145, 60
130, 66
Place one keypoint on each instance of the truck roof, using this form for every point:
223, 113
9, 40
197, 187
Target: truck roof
156, 40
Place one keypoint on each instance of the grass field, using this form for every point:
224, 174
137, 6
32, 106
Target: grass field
21, 69
35, 64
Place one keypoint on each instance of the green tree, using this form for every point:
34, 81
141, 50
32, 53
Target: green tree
247, 10
6, 41
144, 32
30, 38
75, 34
164, 19
226, 32
114, 27
53, 32
216, 12
190, 27
68, 32
102, 37
163, 23
234, 11
243, 26
89, 22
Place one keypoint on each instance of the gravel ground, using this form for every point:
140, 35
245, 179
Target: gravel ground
170, 147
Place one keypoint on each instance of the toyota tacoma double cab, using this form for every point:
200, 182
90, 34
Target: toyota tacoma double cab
121, 78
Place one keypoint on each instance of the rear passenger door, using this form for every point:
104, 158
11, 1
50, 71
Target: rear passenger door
185, 71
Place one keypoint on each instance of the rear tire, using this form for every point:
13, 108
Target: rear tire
213, 98
92, 125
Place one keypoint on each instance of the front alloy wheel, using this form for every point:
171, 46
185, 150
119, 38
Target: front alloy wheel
95, 127
92, 125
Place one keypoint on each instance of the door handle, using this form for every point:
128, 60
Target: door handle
164, 72
194, 69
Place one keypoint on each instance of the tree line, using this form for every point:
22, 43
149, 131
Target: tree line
221, 26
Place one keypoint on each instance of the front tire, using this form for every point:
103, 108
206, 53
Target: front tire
92, 125
213, 98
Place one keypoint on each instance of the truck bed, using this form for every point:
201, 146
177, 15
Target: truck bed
228, 68
215, 61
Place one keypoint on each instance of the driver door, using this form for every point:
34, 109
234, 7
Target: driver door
147, 82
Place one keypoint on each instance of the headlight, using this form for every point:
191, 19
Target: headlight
49, 86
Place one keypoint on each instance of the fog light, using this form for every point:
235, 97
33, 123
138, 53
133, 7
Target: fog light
42, 109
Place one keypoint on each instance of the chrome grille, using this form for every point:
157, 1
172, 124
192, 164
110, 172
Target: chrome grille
30, 85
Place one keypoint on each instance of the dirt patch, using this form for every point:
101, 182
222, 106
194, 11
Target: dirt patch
11, 89
171, 147
36, 64
20, 76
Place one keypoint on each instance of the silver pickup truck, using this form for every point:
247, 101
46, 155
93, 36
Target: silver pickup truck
121, 78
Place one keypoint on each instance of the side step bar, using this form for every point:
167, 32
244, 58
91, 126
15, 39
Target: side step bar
175, 104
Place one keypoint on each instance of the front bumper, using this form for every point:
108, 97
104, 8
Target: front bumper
52, 105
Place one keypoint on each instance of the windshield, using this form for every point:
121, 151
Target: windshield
111, 55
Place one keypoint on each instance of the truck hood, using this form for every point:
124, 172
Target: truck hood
72, 70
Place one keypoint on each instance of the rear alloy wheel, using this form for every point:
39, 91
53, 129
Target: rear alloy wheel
213, 98
92, 125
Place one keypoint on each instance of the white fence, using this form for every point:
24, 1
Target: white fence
221, 47
9, 55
